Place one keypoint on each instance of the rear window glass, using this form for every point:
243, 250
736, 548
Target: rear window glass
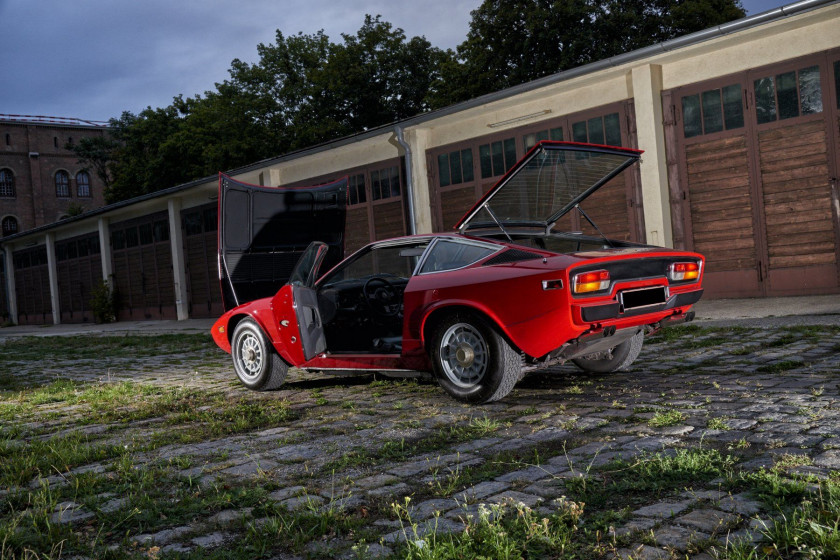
451, 255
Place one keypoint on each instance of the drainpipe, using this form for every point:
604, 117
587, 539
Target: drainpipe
409, 178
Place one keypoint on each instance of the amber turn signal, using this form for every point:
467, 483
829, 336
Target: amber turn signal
594, 281
681, 271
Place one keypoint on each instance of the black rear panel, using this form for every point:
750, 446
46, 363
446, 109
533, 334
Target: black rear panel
263, 231
633, 269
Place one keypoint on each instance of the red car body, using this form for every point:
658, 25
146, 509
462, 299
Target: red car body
547, 305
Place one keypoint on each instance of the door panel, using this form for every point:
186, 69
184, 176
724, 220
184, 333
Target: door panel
309, 321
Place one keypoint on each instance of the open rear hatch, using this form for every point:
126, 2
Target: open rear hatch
550, 181
263, 231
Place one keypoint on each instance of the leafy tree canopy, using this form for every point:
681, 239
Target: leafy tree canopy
305, 89
515, 41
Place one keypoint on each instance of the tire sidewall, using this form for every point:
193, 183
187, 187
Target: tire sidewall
483, 390
619, 360
243, 329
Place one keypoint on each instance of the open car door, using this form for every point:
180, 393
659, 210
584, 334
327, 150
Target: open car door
305, 299
264, 231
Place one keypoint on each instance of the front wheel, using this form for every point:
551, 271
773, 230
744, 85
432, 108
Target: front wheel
256, 363
619, 358
472, 361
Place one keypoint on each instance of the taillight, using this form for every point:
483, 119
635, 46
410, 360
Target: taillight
682, 271
594, 281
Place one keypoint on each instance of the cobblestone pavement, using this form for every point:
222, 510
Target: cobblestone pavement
767, 397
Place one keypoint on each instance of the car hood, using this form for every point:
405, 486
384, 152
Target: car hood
263, 231
548, 182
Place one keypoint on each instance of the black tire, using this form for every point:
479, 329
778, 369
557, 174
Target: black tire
622, 357
257, 365
472, 361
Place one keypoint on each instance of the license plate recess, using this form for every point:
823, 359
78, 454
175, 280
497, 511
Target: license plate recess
631, 300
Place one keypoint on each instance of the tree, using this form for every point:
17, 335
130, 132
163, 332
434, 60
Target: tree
514, 41
302, 91
96, 152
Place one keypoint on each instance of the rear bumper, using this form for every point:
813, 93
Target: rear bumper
613, 310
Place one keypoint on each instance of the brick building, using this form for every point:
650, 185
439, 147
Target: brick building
41, 180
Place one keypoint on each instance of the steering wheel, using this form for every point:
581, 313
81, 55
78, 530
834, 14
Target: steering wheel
382, 300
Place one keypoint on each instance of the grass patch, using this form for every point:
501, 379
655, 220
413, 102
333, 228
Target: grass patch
665, 418
779, 367
621, 483
400, 450
84, 347
807, 524
506, 530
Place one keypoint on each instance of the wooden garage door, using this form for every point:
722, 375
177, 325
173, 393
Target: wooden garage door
461, 173
754, 191
200, 227
32, 284
79, 266
142, 260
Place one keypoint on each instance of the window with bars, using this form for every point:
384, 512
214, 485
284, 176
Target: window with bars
83, 184
605, 130
788, 95
67, 250
713, 111
456, 167
9, 225
385, 183
195, 222
497, 157
7, 183
62, 184
357, 189
530, 140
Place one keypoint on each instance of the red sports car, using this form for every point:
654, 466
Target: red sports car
477, 307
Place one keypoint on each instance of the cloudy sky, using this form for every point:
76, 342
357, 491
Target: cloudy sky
93, 59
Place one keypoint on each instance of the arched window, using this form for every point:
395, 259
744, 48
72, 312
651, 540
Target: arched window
10, 226
62, 184
7, 183
83, 184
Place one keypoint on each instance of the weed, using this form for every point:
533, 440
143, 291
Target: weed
666, 418
506, 530
717, 424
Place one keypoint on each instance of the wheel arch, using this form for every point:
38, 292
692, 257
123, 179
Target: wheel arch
268, 332
437, 314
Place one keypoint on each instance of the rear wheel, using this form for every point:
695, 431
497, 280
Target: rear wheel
472, 361
619, 358
256, 363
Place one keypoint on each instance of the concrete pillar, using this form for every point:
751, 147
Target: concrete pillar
270, 178
418, 139
179, 263
647, 97
10, 285
52, 269
105, 251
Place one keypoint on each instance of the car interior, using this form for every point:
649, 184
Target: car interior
361, 303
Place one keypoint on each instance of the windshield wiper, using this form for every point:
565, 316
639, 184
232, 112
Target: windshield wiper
604, 237
498, 223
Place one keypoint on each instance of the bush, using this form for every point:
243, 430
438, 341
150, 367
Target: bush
103, 303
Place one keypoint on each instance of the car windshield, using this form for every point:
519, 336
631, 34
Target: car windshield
548, 184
